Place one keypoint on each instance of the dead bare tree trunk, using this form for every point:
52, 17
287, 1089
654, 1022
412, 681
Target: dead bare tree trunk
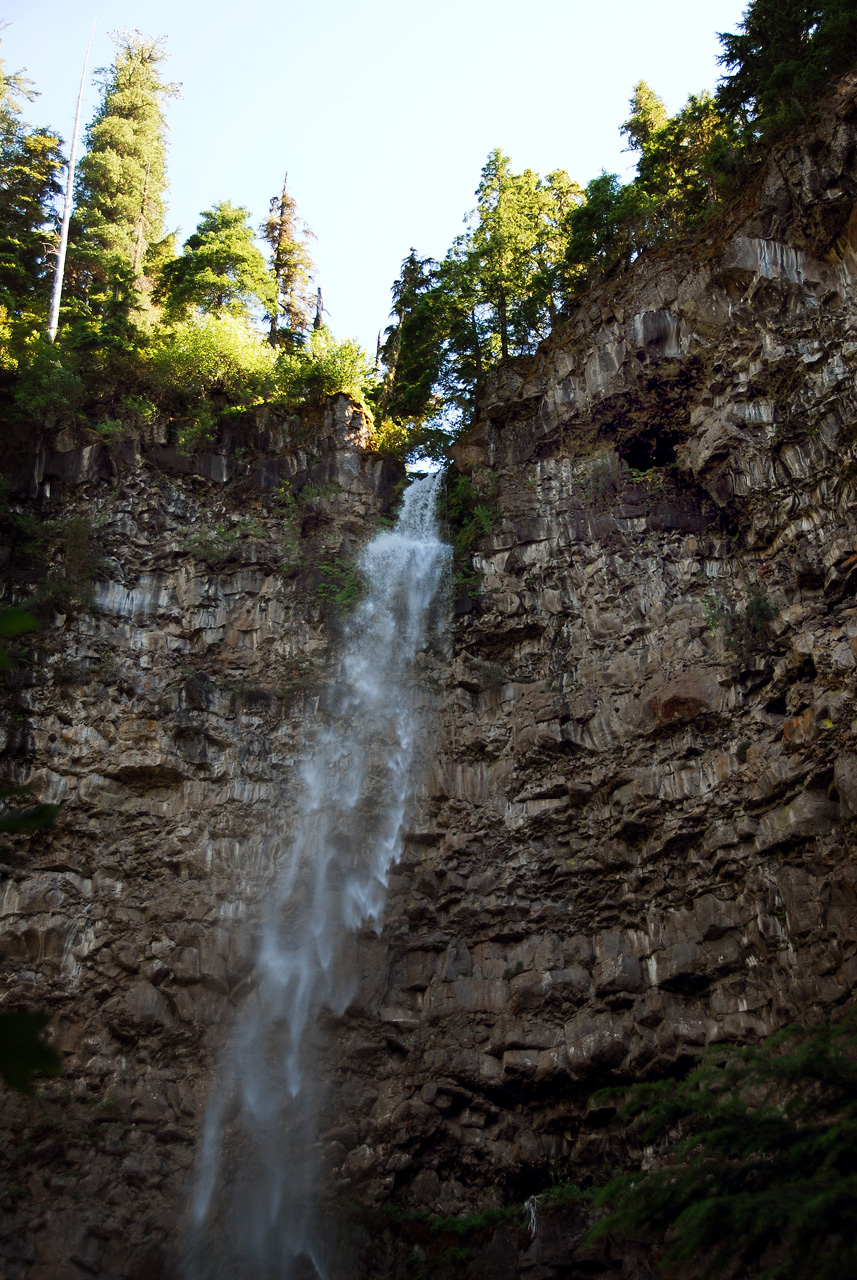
56, 294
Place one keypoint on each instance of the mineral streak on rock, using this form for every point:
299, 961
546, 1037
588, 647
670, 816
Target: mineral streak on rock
632, 839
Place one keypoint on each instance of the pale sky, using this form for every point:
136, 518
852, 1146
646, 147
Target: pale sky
383, 112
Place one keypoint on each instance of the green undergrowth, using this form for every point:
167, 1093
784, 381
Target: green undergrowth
757, 1160
62, 556
441, 1246
469, 510
341, 585
745, 631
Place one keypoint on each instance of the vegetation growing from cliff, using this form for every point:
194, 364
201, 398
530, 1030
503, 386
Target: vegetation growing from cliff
148, 332
444, 1246
745, 631
533, 245
467, 506
780, 60
145, 332
758, 1164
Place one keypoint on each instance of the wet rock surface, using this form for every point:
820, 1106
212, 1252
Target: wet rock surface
633, 834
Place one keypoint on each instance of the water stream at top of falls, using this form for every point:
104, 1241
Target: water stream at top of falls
254, 1210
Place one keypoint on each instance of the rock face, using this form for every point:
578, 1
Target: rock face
633, 834
165, 714
637, 837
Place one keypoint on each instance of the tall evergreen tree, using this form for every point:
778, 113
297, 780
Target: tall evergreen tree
413, 343
504, 243
682, 167
29, 163
781, 57
648, 115
219, 269
292, 268
495, 294
29, 166
122, 182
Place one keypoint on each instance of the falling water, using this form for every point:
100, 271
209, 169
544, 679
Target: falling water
255, 1211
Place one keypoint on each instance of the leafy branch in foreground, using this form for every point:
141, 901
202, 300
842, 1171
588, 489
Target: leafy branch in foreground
760, 1160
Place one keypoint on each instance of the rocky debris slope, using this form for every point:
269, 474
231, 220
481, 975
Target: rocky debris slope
164, 706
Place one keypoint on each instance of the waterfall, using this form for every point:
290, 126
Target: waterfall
254, 1209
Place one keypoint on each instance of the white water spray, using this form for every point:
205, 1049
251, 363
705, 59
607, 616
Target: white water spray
254, 1207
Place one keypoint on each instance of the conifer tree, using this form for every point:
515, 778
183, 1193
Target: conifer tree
292, 268
219, 269
122, 182
29, 163
412, 348
503, 239
780, 58
648, 115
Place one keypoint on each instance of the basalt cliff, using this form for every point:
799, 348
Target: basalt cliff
634, 817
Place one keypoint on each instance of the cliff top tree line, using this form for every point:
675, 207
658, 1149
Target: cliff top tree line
147, 330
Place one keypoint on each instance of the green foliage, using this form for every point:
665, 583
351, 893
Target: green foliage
685, 167
192, 360
495, 294
595, 229
562, 1194
758, 1160
285, 506
468, 508
215, 546
745, 631
648, 115
30, 161
197, 368
444, 1246
121, 185
534, 244
652, 478
412, 352
292, 269
325, 366
63, 554
220, 270
336, 366
312, 493
14, 622
780, 59
29, 164
341, 584
513, 250
48, 388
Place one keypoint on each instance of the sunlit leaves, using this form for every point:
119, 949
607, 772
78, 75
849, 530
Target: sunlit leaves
220, 270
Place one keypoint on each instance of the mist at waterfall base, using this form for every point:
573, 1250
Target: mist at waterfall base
255, 1206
